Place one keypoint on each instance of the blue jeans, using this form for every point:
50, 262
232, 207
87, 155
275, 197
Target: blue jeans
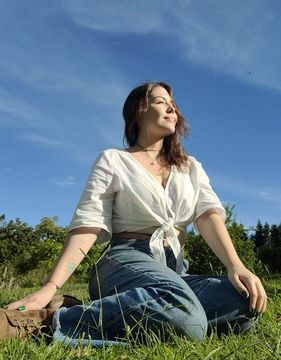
129, 289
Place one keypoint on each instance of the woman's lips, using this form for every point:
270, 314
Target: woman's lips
170, 118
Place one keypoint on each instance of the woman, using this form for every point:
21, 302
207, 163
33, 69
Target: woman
141, 199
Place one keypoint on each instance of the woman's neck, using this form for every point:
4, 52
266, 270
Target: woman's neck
146, 145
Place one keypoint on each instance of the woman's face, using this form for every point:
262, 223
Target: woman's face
159, 117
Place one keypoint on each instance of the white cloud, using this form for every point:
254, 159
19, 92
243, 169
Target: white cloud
270, 194
234, 37
42, 140
117, 16
265, 193
96, 117
62, 96
213, 33
238, 38
64, 182
16, 111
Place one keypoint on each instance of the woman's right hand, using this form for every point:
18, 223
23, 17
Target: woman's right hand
76, 246
36, 301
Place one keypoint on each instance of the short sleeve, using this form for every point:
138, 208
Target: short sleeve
95, 205
207, 198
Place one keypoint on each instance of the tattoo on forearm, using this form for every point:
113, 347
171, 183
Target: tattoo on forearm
70, 267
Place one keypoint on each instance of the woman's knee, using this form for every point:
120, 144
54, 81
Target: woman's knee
194, 326
185, 313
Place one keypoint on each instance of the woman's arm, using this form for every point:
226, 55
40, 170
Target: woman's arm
213, 230
76, 246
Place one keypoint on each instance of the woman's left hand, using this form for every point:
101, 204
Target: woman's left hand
214, 231
248, 285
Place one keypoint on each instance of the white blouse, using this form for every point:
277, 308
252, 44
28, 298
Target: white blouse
121, 195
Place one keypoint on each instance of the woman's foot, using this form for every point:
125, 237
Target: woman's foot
15, 324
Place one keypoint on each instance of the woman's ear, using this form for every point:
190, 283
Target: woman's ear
144, 105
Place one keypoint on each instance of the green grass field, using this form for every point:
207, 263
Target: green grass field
263, 343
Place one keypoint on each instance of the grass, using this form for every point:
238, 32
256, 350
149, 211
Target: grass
263, 343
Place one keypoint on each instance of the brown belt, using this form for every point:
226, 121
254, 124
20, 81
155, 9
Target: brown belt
132, 235
137, 236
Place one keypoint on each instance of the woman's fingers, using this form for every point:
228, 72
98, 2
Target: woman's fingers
239, 286
13, 306
249, 282
17, 305
258, 298
249, 285
23, 305
262, 302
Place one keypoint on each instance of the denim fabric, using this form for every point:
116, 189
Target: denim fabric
129, 289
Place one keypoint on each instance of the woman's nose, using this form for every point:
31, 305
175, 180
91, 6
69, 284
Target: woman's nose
170, 109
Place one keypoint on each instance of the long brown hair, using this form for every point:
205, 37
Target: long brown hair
172, 152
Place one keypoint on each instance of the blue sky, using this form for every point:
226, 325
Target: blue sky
67, 66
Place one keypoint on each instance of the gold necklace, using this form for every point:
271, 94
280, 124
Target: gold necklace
152, 161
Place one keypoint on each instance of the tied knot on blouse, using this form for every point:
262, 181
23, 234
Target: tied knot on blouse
166, 232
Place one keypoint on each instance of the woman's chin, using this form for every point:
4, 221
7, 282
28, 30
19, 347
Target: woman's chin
170, 131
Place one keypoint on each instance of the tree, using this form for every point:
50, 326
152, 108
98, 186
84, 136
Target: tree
50, 241
49, 230
275, 235
270, 256
266, 234
258, 237
230, 216
268, 245
17, 239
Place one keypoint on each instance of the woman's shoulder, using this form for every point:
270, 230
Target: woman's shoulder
188, 166
109, 153
192, 167
110, 156
192, 161
197, 170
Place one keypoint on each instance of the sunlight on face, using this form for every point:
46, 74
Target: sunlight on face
160, 95
159, 116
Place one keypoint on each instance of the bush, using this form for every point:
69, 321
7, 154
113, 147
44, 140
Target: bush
202, 260
26, 250
16, 239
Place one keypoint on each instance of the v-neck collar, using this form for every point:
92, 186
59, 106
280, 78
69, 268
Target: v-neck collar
149, 173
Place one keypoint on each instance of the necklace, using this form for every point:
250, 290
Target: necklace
144, 149
153, 161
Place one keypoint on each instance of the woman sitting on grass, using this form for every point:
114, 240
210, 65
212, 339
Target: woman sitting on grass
141, 199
